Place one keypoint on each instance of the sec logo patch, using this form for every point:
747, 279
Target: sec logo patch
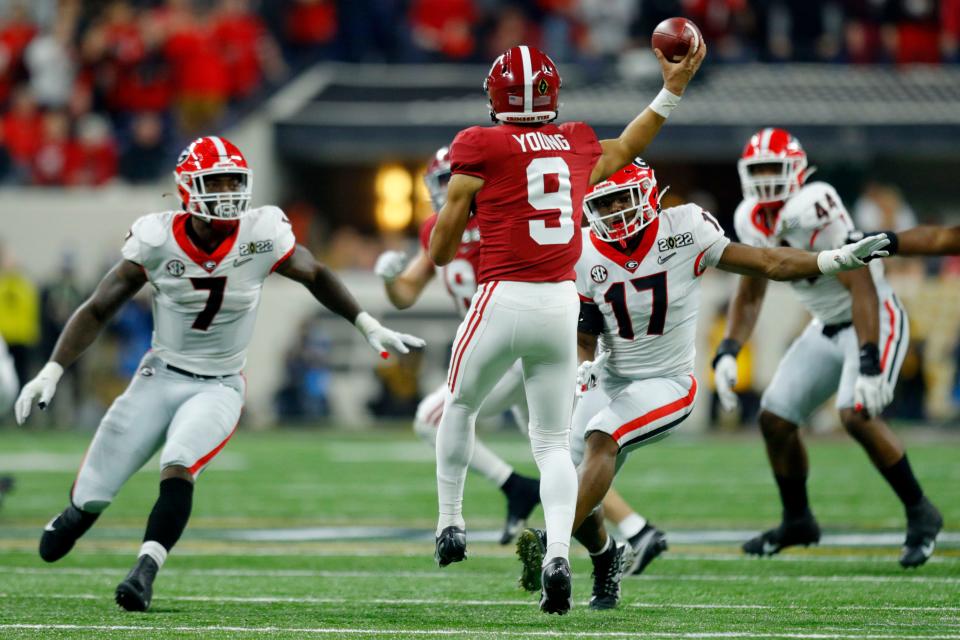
599, 273
175, 268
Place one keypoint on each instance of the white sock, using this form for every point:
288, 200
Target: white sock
455, 439
604, 549
155, 550
558, 487
489, 465
631, 525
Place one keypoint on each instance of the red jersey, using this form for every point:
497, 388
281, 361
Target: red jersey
460, 275
530, 205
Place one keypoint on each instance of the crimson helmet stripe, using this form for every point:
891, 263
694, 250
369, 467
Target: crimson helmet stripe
527, 78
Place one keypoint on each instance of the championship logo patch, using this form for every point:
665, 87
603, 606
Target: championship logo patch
175, 268
599, 273
543, 87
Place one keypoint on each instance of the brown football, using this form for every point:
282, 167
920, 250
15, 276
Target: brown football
674, 37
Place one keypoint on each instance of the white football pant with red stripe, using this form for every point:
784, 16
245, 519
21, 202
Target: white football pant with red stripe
187, 419
632, 412
816, 366
506, 395
535, 322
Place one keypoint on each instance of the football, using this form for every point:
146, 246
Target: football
674, 37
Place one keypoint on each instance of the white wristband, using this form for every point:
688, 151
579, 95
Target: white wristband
665, 103
828, 263
365, 323
52, 371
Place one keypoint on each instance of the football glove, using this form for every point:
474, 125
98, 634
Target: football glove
42, 387
588, 373
871, 393
852, 256
380, 337
725, 373
390, 264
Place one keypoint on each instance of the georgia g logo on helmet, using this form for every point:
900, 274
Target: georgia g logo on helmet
213, 179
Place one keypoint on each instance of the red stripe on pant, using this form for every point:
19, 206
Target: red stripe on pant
892, 316
656, 414
481, 306
471, 318
199, 464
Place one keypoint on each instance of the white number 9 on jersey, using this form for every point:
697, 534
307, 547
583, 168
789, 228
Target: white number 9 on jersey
539, 199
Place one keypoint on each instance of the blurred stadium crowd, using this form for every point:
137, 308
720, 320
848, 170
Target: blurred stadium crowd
96, 90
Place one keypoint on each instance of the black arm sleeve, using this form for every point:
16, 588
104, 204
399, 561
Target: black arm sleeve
591, 319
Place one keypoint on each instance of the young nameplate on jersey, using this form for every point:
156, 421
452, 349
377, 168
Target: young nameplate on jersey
639, 285
206, 265
853, 347
524, 180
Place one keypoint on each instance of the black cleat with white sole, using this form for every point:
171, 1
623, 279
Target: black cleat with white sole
607, 572
790, 533
649, 543
531, 547
523, 496
923, 524
556, 595
451, 546
62, 532
136, 590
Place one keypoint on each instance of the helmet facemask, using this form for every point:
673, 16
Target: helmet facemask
769, 180
211, 199
619, 212
437, 182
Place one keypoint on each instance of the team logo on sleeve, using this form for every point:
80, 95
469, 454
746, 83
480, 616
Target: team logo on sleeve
175, 268
599, 273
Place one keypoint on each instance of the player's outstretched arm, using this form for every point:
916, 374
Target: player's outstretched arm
926, 240
785, 263
119, 285
330, 291
618, 152
452, 220
404, 282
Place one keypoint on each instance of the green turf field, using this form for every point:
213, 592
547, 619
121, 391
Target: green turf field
325, 534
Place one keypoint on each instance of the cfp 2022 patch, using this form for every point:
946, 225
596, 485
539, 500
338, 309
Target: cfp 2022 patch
257, 246
675, 242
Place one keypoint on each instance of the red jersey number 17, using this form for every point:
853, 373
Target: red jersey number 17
548, 189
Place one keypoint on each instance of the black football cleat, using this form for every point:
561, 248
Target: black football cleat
607, 572
556, 595
790, 533
523, 496
531, 547
62, 532
649, 543
136, 590
923, 524
451, 546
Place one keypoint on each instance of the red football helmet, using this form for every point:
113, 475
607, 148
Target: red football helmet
624, 203
213, 156
523, 86
773, 166
437, 177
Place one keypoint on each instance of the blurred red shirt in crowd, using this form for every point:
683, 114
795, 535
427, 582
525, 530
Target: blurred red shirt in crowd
445, 26
240, 33
199, 68
16, 32
57, 156
311, 22
22, 127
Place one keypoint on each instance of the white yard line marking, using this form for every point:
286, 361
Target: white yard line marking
433, 575
482, 603
474, 632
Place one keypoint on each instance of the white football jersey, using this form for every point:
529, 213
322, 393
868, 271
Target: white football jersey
650, 298
814, 219
205, 305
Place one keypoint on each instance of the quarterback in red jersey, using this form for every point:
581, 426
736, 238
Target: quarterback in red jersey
524, 181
